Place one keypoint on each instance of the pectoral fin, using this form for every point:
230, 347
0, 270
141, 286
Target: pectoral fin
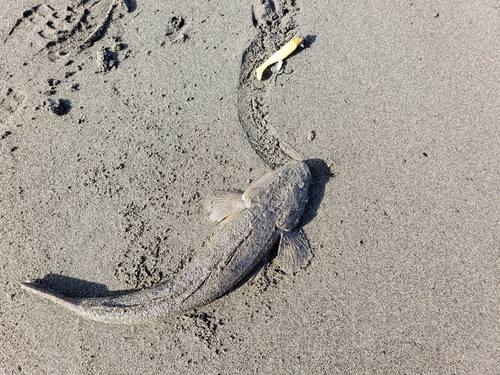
224, 203
293, 252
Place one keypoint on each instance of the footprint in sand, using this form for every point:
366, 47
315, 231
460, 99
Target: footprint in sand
73, 29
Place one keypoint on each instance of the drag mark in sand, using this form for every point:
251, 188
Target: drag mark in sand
275, 24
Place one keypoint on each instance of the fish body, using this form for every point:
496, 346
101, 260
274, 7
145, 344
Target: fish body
267, 211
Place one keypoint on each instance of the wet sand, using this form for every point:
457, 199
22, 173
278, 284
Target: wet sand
118, 119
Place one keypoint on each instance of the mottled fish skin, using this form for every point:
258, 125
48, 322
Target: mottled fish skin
269, 209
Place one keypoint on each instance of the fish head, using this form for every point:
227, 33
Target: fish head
281, 194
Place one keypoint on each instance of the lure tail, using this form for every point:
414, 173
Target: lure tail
279, 55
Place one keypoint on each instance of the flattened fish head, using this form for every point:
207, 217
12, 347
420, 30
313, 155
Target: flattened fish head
282, 193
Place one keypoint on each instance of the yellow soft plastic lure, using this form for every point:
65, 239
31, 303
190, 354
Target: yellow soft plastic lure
279, 55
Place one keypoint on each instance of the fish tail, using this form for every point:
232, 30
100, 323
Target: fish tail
47, 293
128, 308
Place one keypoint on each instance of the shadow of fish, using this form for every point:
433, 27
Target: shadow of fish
252, 223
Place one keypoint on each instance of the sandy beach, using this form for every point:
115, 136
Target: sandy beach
118, 118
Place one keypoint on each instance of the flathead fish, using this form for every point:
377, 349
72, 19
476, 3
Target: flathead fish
267, 212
